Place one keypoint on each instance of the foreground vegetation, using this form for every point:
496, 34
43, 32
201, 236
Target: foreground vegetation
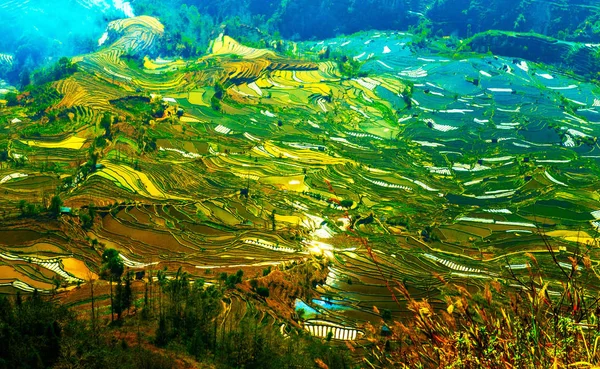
184, 326
37, 332
524, 325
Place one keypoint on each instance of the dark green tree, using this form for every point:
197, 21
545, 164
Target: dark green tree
346, 203
112, 267
263, 291
55, 205
30, 332
106, 124
86, 221
11, 99
22, 205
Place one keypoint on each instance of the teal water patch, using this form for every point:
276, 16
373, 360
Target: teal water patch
329, 305
309, 312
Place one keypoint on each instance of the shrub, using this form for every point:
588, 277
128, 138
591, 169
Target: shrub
263, 291
11, 99
55, 205
62, 69
346, 203
254, 283
86, 221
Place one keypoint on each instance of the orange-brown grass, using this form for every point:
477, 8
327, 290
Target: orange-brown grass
500, 326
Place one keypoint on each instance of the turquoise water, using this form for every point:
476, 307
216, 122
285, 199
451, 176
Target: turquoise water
309, 312
329, 305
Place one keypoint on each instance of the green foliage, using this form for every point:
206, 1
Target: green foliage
189, 314
92, 210
57, 122
55, 205
112, 264
422, 34
215, 100
22, 205
399, 220
429, 234
266, 271
188, 29
40, 333
11, 99
407, 94
39, 98
254, 283
149, 144
123, 296
30, 332
350, 68
215, 103
162, 336
568, 105
519, 22
263, 291
141, 108
28, 209
134, 62
3, 155
346, 203
61, 70
86, 221
106, 123
234, 279
37, 333
364, 220
192, 319
386, 314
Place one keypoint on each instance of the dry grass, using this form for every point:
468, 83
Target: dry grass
536, 325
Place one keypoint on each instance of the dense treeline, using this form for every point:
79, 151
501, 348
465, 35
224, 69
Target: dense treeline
173, 318
191, 24
577, 20
37, 332
203, 321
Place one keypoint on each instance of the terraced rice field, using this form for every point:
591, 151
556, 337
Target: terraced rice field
299, 163
73, 142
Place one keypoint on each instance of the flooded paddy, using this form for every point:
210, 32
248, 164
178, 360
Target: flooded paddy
425, 168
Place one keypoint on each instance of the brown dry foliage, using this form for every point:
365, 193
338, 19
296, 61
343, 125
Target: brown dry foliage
500, 327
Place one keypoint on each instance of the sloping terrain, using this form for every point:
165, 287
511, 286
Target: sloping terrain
410, 168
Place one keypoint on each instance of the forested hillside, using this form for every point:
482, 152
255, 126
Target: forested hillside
191, 24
